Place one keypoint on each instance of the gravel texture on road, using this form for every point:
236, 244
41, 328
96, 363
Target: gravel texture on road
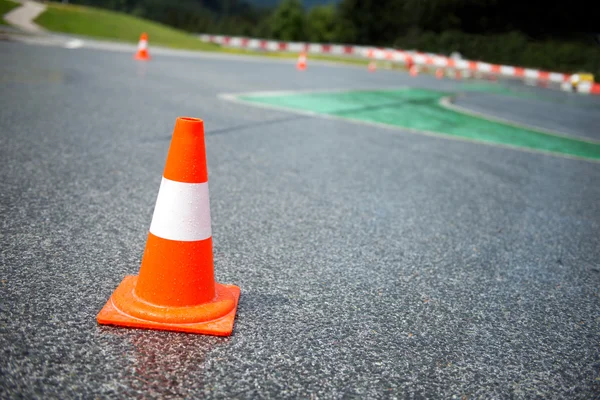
373, 263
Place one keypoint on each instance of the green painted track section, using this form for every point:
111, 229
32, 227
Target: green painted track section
419, 109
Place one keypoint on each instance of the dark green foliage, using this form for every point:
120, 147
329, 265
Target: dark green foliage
288, 21
321, 24
511, 48
538, 34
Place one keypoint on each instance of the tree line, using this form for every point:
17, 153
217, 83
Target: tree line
561, 36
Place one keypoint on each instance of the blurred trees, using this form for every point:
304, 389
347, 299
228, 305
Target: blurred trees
321, 24
536, 33
288, 21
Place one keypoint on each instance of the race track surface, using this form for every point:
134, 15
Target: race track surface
373, 262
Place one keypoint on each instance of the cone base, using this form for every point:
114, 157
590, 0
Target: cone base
142, 57
222, 326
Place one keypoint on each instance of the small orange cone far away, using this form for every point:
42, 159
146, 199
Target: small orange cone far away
142, 50
413, 70
301, 64
175, 289
439, 73
372, 66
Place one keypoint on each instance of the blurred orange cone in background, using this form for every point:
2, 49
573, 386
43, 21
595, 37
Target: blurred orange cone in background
175, 289
142, 50
439, 73
414, 70
458, 74
301, 64
372, 66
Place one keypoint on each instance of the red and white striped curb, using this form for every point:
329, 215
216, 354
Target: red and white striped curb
437, 61
273, 45
406, 57
588, 88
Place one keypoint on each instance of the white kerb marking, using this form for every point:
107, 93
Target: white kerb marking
419, 59
254, 44
182, 211
531, 73
507, 70
484, 67
461, 64
74, 44
294, 46
556, 77
315, 48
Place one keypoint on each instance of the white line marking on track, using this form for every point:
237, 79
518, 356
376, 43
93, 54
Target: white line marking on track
74, 44
235, 99
446, 102
267, 93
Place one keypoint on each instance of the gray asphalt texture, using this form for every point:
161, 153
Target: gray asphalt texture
577, 115
373, 263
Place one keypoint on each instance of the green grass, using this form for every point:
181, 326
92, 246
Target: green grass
344, 60
89, 21
6, 6
105, 24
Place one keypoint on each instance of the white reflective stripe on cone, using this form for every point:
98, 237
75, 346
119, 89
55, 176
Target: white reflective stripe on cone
143, 45
182, 211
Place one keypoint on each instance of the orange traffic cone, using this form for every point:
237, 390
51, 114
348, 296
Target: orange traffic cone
372, 66
301, 64
142, 50
414, 70
458, 74
439, 73
175, 289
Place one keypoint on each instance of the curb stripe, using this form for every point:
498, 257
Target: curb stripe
399, 55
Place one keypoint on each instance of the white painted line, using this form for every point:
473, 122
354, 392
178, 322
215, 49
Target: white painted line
507, 70
74, 44
440, 61
336, 49
295, 47
484, 67
315, 48
235, 98
557, 77
531, 73
268, 93
419, 59
461, 64
584, 87
182, 211
272, 46
446, 102
254, 44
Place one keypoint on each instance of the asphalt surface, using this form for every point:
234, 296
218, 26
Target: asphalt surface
576, 116
373, 263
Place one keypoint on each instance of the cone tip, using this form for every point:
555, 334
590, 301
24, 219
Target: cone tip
186, 161
189, 124
191, 119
